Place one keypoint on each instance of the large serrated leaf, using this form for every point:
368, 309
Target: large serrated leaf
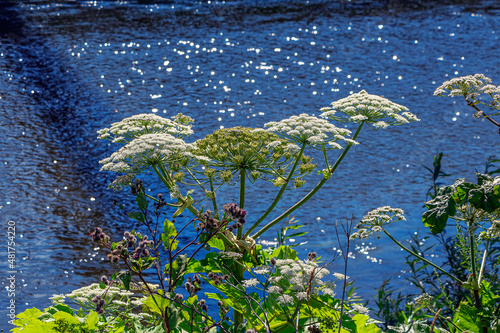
439, 210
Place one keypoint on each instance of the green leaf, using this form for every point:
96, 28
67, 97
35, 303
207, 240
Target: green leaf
440, 209
365, 325
64, 308
126, 280
169, 232
137, 216
467, 318
92, 319
32, 313
217, 243
141, 201
298, 234
156, 303
66, 317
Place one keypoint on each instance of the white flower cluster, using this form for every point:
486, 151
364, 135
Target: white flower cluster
374, 221
310, 130
374, 110
147, 150
146, 123
469, 86
360, 308
304, 275
95, 290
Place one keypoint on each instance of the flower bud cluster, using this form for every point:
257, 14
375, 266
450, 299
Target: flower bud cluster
217, 279
236, 214
98, 236
314, 329
137, 187
99, 302
203, 305
142, 250
105, 280
207, 222
193, 285
160, 203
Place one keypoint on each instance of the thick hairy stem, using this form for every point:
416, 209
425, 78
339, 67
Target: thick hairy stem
311, 193
280, 193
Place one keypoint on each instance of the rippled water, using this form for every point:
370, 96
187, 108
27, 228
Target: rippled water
68, 69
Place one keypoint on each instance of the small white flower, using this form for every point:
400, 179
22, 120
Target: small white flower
328, 291
305, 129
360, 308
302, 295
262, 270
285, 299
57, 298
147, 150
146, 123
341, 276
231, 255
274, 290
250, 283
376, 219
466, 86
376, 111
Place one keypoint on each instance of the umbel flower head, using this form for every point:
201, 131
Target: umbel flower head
469, 86
310, 130
375, 220
146, 123
376, 111
148, 150
240, 148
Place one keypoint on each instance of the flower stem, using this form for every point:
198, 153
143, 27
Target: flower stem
280, 193
243, 177
483, 262
312, 192
214, 201
181, 199
422, 258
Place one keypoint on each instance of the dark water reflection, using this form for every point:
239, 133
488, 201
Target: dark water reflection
69, 69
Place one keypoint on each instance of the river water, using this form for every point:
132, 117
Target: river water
70, 68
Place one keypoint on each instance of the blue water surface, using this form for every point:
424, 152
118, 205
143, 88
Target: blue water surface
70, 68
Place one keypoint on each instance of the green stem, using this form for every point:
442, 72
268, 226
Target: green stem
243, 177
214, 201
422, 258
280, 193
163, 177
483, 263
312, 192
473, 256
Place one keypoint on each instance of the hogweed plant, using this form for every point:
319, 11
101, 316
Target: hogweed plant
258, 289
476, 90
475, 209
